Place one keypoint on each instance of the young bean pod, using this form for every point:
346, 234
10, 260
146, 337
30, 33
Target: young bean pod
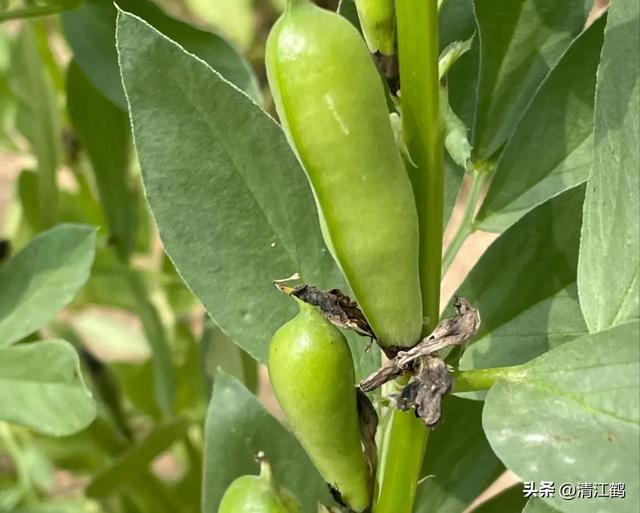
312, 375
258, 494
377, 19
331, 102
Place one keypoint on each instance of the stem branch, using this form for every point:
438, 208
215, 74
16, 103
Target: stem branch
481, 379
467, 226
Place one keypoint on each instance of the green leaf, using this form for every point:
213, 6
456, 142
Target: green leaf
609, 267
90, 31
41, 388
459, 461
456, 139
219, 352
73, 207
511, 499
538, 506
524, 286
42, 278
519, 42
347, 9
158, 339
134, 378
130, 464
236, 19
551, 147
232, 204
572, 415
38, 117
458, 23
237, 428
104, 131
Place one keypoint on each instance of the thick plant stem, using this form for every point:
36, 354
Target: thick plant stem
419, 90
403, 448
417, 26
467, 226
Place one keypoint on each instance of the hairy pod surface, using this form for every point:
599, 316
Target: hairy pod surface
311, 371
258, 494
377, 19
331, 102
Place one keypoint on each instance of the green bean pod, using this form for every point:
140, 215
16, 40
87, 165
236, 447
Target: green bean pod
378, 22
312, 375
331, 102
258, 494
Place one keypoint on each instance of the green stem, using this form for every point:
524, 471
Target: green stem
16, 454
420, 95
467, 226
418, 49
481, 379
34, 12
157, 337
400, 463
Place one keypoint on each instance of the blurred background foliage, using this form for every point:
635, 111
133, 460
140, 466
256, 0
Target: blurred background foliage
147, 351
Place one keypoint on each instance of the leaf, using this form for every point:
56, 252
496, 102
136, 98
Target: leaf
453, 175
134, 379
237, 428
451, 54
524, 286
158, 340
347, 9
572, 415
42, 278
76, 207
458, 23
41, 388
90, 31
456, 140
37, 117
220, 353
519, 42
232, 205
103, 129
130, 464
511, 499
236, 19
459, 461
550, 150
54, 506
538, 506
609, 265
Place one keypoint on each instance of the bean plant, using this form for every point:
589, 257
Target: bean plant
222, 230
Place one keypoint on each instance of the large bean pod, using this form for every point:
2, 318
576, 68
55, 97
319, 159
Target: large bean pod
312, 375
332, 105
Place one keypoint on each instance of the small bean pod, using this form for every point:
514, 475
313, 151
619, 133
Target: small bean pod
258, 494
312, 375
